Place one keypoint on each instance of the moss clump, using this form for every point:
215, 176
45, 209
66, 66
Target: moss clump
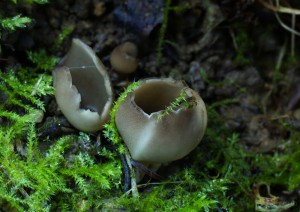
244, 44
41, 181
14, 22
185, 191
110, 130
42, 174
219, 174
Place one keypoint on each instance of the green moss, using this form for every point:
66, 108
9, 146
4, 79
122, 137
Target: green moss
44, 175
61, 37
180, 102
110, 130
42, 60
244, 45
185, 191
162, 32
218, 174
31, 181
221, 83
282, 167
14, 22
163, 29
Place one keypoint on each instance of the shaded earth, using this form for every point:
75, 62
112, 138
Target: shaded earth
234, 53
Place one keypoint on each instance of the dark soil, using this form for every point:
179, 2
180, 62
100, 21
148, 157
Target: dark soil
225, 50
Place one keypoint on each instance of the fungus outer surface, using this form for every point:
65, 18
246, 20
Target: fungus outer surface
82, 88
123, 58
151, 140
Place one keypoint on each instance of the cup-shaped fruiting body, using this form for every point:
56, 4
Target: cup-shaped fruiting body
82, 88
123, 58
151, 139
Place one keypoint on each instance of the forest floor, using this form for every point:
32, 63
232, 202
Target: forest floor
235, 54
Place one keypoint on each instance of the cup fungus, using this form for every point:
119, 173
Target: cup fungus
156, 126
123, 58
82, 88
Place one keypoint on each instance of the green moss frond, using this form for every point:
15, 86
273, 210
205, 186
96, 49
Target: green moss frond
162, 31
222, 82
62, 36
244, 44
282, 167
19, 92
14, 22
42, 60
110, 129
180, 102
34, 175
185, 191
33, 179
32, 183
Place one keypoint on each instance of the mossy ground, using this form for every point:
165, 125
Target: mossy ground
67, 170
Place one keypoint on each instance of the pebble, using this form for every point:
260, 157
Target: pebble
99, 8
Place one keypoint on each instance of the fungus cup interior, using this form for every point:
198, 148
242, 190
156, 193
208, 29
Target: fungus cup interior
156, 96
88, 76
82, 88
87, 90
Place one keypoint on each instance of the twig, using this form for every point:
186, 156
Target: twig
280, 57
286, 26
127, 182
36, 85
293, 35
279, 8
133, 189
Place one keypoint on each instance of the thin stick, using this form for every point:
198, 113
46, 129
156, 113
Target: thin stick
133, 189
279, 8
127, 179
293, 36
36, 85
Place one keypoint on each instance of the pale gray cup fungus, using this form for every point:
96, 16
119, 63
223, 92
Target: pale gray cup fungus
82, 88
123, 58
153, 141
